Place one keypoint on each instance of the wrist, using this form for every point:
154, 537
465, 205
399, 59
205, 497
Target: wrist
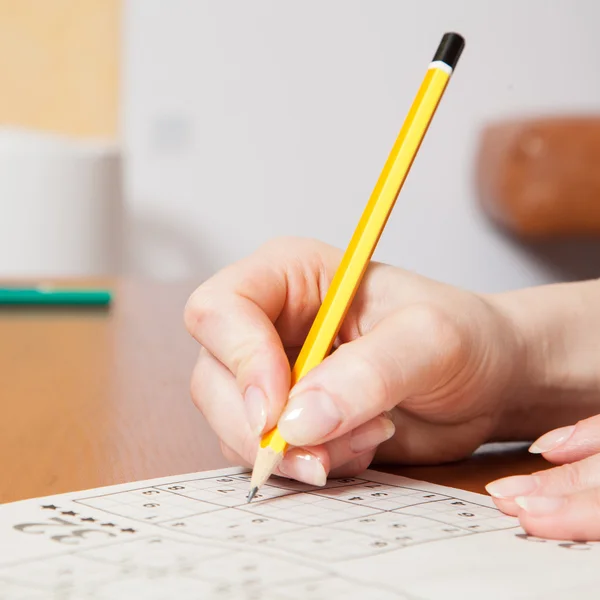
555, 360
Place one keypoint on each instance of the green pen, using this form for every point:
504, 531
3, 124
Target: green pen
46, 295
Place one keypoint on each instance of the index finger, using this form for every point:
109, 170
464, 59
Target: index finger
245, 314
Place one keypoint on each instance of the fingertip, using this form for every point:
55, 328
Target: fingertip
306, 466
264, 381
506, 506
552, 440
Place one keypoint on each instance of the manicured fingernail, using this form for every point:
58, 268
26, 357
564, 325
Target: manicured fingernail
552, 440
370, 435
303, 466
255, 405
308, 417
509, 487
539, 506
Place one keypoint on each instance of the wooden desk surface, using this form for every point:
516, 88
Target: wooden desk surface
91, 398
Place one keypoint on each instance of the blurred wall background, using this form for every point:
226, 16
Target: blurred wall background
61, 205
248, 120
241, 121
59, 65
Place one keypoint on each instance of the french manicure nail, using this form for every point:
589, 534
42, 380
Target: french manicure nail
370, 435
539, 506
552, 440
509, 487
308, 417
303, 466
255, 405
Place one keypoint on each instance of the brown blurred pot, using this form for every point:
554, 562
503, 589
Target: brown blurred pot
540, 178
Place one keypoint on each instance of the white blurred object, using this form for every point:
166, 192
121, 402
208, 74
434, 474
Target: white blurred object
61, 205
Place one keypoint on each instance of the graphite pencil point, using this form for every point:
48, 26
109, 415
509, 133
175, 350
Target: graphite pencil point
251, 494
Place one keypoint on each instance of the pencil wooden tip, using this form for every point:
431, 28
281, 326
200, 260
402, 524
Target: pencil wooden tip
267, 460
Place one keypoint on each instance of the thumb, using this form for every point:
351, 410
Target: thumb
412, 352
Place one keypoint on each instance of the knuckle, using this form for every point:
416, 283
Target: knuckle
201, 306
436, 325
245, 355
441, 334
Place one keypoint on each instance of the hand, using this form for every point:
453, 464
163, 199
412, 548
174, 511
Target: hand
416, 377
562, 502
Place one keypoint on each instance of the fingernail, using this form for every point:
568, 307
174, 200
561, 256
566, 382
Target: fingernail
552, 440
509, 487
539, 506
255, 405
303, 466
370, 435
308, 417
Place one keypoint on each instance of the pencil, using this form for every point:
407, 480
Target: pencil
358, 254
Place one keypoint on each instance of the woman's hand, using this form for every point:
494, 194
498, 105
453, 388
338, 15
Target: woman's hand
422, 372
559, 328
562, 502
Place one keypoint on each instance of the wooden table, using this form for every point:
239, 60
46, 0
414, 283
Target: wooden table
91, 398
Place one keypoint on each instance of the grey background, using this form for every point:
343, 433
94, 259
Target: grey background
244, 121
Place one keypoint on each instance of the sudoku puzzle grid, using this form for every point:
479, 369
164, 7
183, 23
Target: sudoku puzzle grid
347, 519
284, 545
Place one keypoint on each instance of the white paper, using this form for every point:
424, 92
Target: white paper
376, 536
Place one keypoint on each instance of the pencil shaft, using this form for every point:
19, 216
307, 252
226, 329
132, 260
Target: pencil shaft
358, 254
362, 245
370, 227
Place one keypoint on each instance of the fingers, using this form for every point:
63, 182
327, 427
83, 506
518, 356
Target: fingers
240, 335
232, 315
354, 467
571, 443
412, 352
418, 441
576, 444
344, 456
298, 464
215, 393
507, 506
347, 455
305, 467
566, 479
571, 517
312, 466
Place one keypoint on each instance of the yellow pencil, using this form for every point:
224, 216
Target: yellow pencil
354, 263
